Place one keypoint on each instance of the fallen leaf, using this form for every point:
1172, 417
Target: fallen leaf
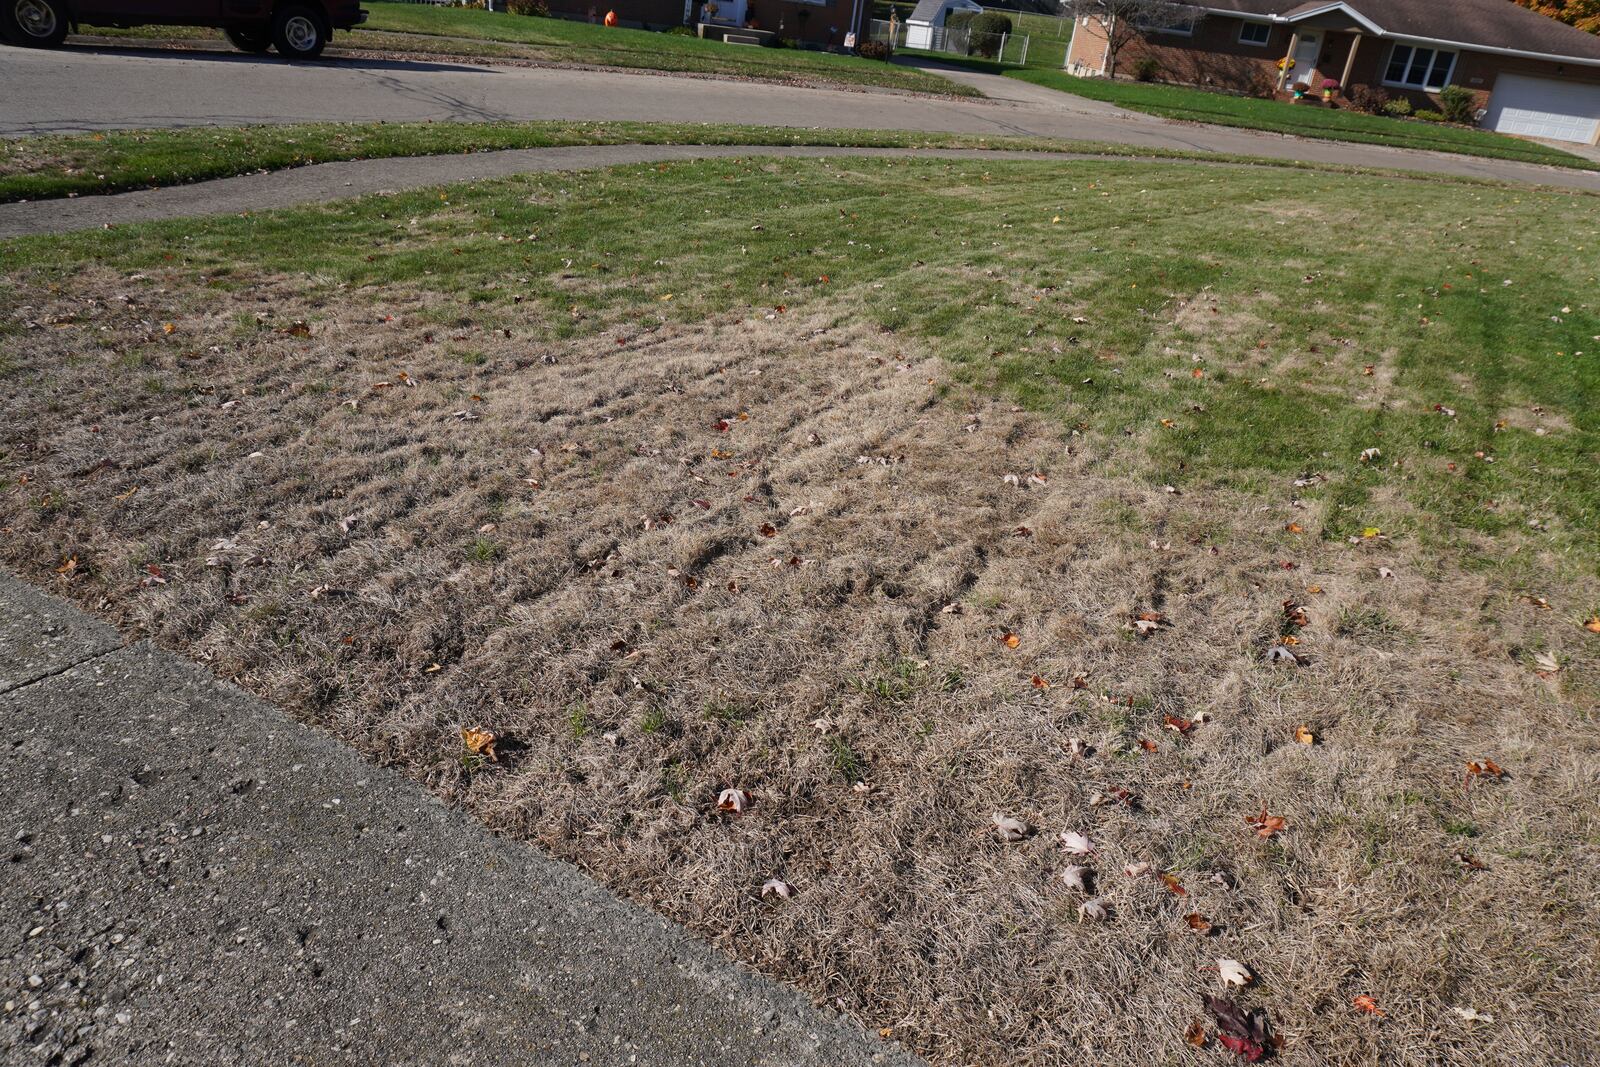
481, 742
1149, 745
1077, 877
1593, 625
777, 887
768, 530
1198, 923
1234, 973
1075, 843
1304, 736
1136, 870
1008, 828
1244, 1034
1266, 825
1093, 910
1546, 662
1196, 1035
1473, 1015
1295, 528
1368, 1005
733, 800
1177, 725
1280, 654
1174, 886
1010, 640
1039, 682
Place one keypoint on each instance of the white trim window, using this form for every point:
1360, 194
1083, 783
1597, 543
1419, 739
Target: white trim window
1256, 33
1415, 67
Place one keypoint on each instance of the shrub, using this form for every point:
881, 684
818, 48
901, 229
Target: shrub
958, 20
1399, 107
872, 50
678, 31
1427, 114
1366, 98
1146, 69
1457, 103
529, 7
984, 30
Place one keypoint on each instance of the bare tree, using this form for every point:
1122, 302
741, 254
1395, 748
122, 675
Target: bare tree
1124, 21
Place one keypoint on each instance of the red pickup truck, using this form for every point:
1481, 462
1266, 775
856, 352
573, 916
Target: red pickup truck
298, 29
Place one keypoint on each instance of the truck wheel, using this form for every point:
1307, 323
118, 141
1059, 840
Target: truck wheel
297, 32
34, 23
251, 39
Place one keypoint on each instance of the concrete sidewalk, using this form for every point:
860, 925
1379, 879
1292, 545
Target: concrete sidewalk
192, 878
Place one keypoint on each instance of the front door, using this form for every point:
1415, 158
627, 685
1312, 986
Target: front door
1305, 57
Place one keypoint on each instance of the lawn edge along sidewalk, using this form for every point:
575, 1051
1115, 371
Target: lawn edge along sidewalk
192, 874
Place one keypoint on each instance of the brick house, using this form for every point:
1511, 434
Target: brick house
818, 22
1532, 75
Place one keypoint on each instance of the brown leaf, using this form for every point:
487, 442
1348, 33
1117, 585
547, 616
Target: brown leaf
733, 801
1177, 725
1196, 1035
1304, 736
1368, 1005
1593, 625
1148, 745
1010, 640
1198, 923
1174, 886
481, 742
1266, 825
1039, 682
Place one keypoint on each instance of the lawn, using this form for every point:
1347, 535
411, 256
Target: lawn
1198, 105
1221, 516
433, 29
52, 166
566, 41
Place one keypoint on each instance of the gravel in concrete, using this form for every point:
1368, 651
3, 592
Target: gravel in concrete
192, 878
41, 636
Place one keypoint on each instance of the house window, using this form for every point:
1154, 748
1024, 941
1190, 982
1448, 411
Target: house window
1254, 33
1411, 67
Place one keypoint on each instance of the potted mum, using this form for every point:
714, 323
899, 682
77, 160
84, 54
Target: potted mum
1329, 88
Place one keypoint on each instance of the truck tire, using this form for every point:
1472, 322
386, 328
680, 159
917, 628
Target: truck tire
298, 32
34, 23
249, 38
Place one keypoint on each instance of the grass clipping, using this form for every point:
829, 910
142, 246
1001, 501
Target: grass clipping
780, 558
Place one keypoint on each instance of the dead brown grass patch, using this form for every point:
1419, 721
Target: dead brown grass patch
782, 556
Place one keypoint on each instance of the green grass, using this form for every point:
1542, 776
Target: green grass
1199, 105
429, 29
1474, 297
565, 41
37, 168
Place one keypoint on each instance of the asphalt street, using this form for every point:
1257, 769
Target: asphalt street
91, 88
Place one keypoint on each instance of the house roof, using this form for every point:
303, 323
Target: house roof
928, 10
1489, 25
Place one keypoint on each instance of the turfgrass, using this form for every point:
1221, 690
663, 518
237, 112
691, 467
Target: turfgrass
435, 29
705, 451
45, 167
1198, 105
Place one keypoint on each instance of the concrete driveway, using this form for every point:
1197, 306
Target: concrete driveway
83, 88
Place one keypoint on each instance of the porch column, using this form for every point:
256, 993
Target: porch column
1349, 64
1294, 43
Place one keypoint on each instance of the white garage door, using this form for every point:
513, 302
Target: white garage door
1536, 107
